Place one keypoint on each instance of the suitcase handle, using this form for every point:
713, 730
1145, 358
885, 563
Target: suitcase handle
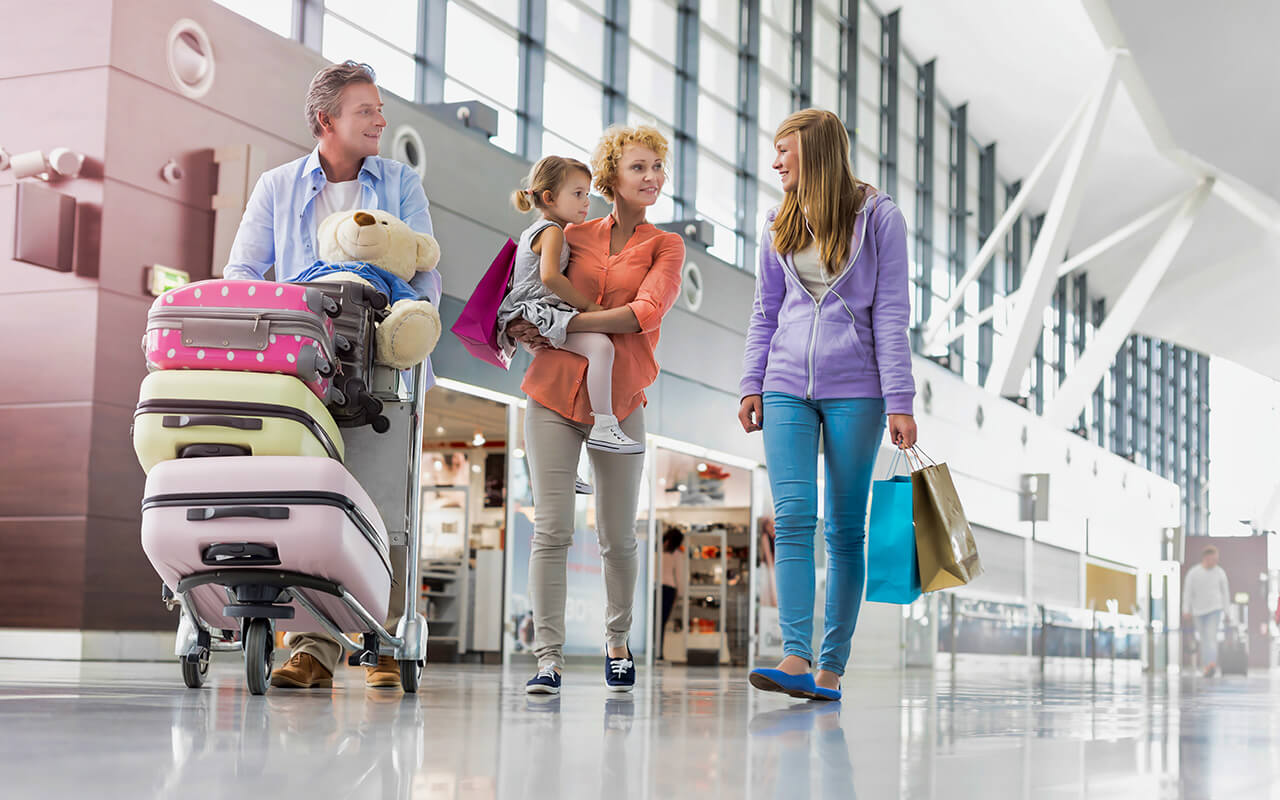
226, 512
240, 553
213, 420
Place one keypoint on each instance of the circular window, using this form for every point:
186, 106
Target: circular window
190, 57
407, 146
691, 286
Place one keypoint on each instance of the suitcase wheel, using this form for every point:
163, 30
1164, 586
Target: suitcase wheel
374, 298
381, 424
259, 654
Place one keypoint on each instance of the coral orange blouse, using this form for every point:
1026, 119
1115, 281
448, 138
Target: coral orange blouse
645, 277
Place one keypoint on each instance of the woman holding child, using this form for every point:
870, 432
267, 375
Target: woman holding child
623, 275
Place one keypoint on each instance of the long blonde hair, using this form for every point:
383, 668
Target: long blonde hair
548, 175
825, 204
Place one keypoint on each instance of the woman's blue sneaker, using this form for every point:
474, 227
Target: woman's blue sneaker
547, 681
775, 680
620, 673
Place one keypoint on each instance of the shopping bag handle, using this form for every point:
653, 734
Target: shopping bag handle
921, 457
893, 463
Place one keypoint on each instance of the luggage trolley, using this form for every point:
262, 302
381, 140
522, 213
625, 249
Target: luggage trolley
386, 461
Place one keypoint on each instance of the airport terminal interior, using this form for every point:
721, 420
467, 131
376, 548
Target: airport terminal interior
1089, 202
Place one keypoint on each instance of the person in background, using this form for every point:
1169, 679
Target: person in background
1205, 597
671, 543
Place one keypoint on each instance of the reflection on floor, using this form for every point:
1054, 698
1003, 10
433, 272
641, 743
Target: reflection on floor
132, 730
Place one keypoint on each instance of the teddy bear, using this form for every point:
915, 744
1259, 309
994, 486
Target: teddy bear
378, 249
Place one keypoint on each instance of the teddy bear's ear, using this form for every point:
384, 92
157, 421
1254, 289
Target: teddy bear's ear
428, 252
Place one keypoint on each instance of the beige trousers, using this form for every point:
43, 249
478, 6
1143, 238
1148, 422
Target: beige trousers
554, 444
324, 648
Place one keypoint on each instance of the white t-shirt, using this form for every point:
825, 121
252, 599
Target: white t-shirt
335, 197
809, 268
670, 568
1205, 590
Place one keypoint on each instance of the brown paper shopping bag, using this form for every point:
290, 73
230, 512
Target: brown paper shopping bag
945, 548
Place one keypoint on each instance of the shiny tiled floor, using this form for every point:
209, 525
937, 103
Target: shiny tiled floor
132, 730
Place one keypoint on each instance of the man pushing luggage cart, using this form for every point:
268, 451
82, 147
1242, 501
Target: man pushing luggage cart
279, 232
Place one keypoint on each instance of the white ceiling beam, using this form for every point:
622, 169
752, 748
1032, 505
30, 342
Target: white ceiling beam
1093, 251
941, 317
1011, 361
1076, 390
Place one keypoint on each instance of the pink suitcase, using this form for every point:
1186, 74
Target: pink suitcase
208, 523
248, 326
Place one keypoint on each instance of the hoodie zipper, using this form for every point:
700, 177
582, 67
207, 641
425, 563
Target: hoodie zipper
813, 348
302, 323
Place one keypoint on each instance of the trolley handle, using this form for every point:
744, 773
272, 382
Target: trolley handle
227, 512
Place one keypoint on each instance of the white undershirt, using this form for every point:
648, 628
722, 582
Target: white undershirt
808, 263
335, 197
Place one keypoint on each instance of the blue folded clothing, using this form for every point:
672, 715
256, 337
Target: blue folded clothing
393, 286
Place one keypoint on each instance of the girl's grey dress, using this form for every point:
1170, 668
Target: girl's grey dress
530, 298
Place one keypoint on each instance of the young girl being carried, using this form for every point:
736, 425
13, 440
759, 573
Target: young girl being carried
541, 293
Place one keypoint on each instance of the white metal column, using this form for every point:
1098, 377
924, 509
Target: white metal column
939, 319
1103, 245
1079, 385
1041, 275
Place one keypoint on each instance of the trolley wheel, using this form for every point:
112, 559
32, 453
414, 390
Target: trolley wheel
410, 675
259, 653
194, 673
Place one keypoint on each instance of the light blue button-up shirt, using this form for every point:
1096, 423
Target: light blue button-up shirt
279, 225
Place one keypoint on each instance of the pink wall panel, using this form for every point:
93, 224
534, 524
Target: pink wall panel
80, 43
141, 228
260, 77
45, 469
120, 366
50, 344
148, 124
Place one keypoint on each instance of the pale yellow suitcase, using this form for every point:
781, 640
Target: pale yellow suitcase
198, 413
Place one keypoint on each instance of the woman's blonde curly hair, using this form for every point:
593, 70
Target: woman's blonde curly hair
604, 161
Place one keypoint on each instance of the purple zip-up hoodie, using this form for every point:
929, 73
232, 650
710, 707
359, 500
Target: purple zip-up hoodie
850, 343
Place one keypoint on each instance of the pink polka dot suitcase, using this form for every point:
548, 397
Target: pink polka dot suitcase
245, 326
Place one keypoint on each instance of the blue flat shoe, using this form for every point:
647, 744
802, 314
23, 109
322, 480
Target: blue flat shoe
775, 680
819, 693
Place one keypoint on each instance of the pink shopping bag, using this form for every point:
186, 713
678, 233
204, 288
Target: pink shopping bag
477, 326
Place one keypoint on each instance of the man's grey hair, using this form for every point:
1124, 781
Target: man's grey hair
325, 92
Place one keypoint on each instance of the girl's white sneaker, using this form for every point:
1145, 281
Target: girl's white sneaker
606, 435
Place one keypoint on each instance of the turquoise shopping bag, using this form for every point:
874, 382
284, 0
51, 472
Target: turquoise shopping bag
893, 576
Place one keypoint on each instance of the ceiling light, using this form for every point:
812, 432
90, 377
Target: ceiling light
517, 453
702, 468
439, 430
475, 468
478, 440
439, 464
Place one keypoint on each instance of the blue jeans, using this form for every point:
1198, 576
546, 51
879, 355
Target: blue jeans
1207, 627
851, 431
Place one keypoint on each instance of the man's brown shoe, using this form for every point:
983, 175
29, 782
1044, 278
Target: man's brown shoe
302, 671
384, 676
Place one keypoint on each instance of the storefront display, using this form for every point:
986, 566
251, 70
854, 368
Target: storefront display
709, 505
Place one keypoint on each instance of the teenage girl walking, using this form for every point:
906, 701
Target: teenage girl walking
827, 358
